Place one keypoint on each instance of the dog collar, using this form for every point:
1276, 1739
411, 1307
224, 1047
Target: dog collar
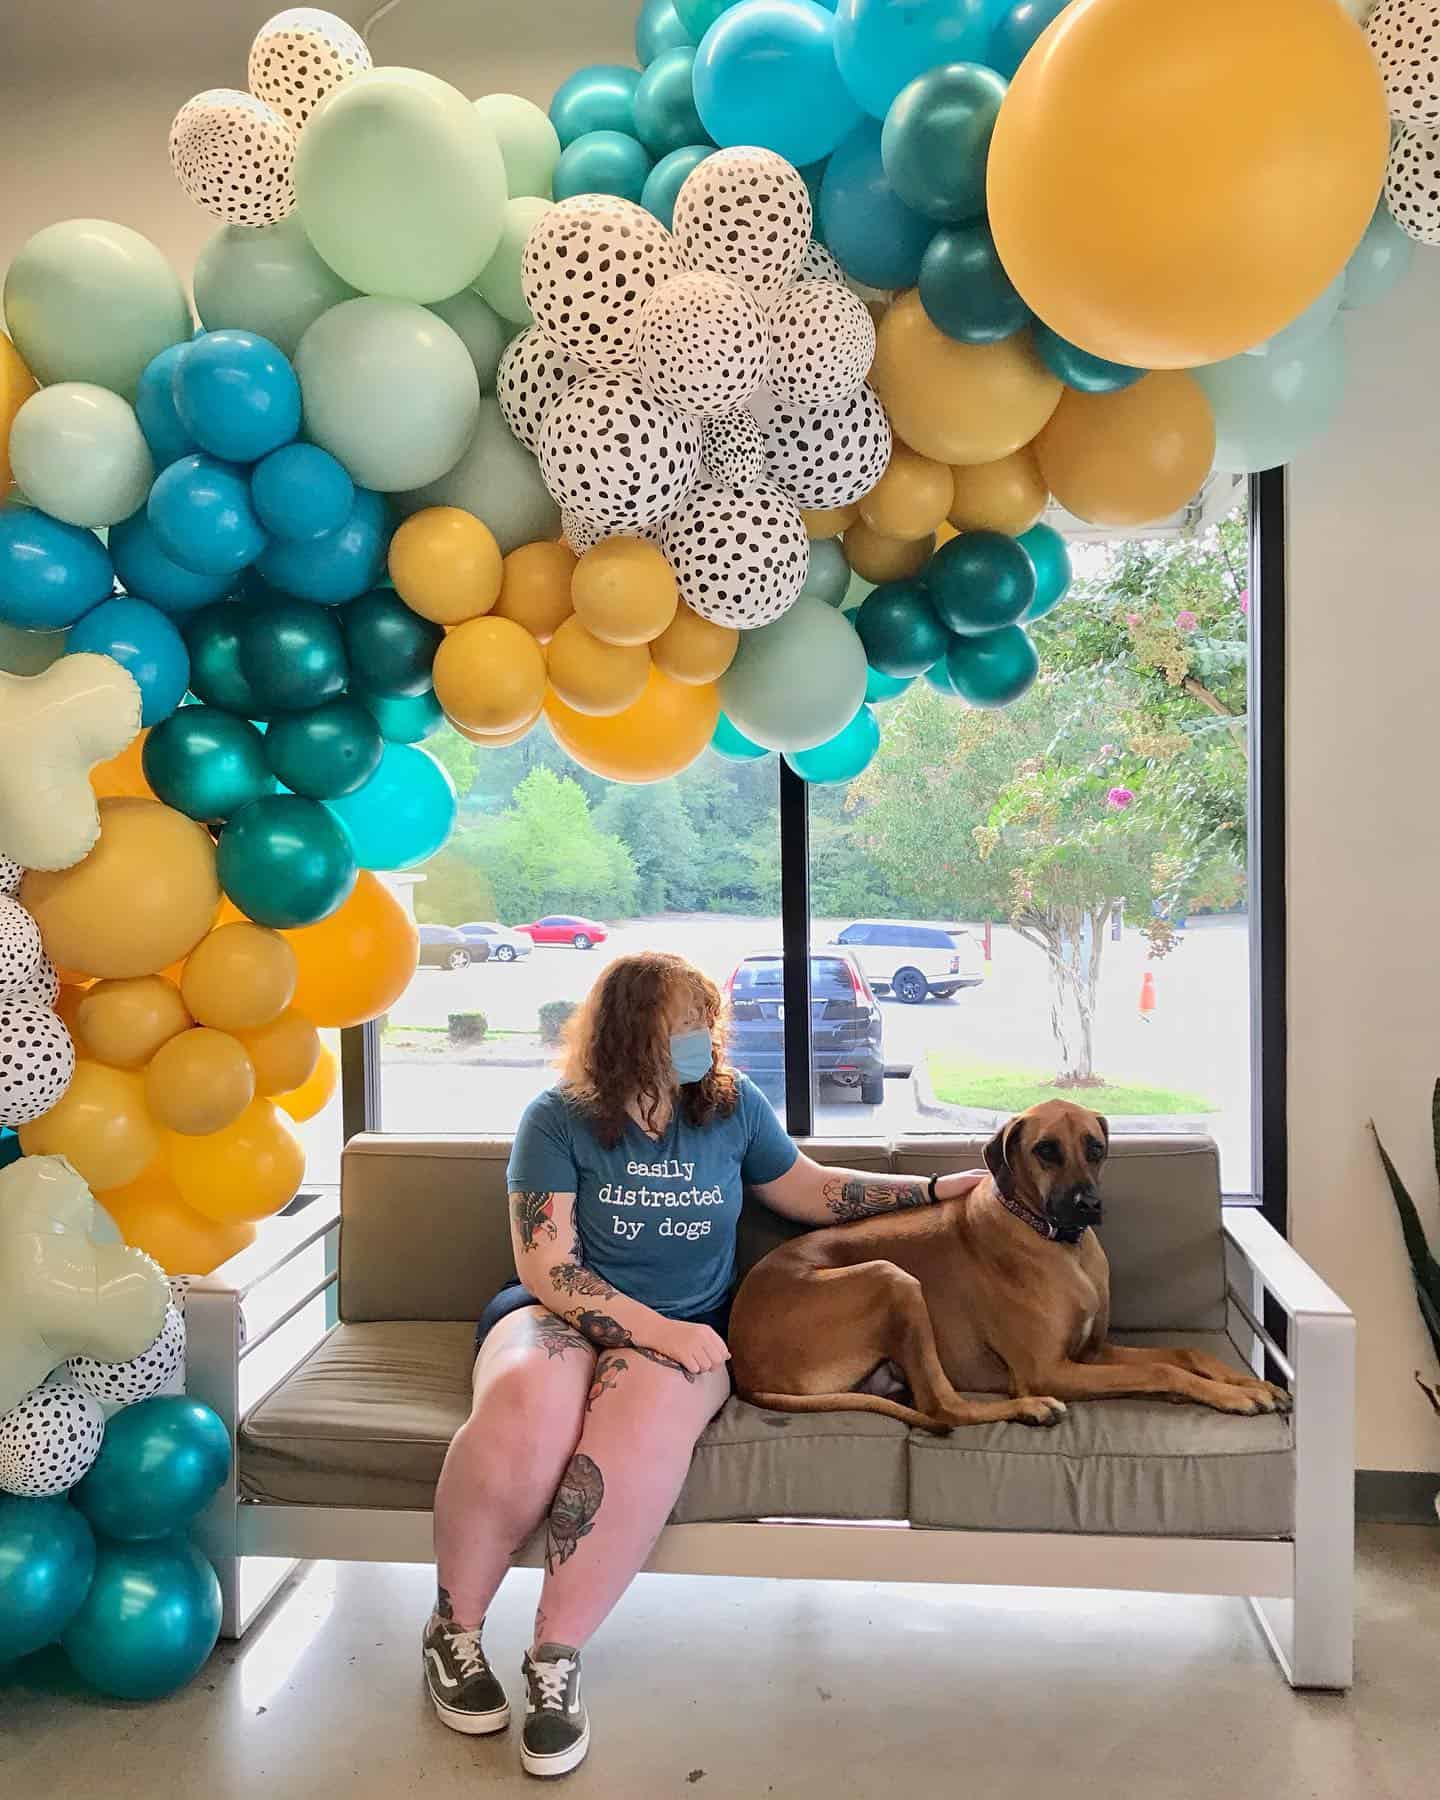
1045, 1228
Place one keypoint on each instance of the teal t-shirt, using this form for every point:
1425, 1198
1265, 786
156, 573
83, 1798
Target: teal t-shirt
657, 1217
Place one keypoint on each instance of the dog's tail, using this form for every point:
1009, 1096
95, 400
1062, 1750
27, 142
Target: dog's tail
848, 1402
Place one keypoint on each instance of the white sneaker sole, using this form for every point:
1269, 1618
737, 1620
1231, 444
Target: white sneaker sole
562, 1762
472, 1724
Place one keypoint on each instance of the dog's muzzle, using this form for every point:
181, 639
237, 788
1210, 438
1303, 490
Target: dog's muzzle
1078, 1209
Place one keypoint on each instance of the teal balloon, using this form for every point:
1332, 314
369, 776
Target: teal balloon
733, 744
1267, 408
144, 570
881, 46
155, 409
665, 115
149, 1621
51, 574
828, 577
146, 644
664, 182
285, 861
765, 75
660, 28
338, 567
936, 140
200, 511
47, 1560
1016, 31
292, 654
900, 629
1382, 258
326, 752
206, 763
697, 16
981, 581
159, 1465
938, 677
391, 649
598, 98
1077, 368
841, 758
603, 162
1050, 558
880, 687
406, 721
269, 279
964, 288
212, 636
10, 1152
993, 670
873, 235
403, 814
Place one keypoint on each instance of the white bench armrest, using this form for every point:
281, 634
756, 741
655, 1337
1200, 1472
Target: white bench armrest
279, 1243
1287, 1277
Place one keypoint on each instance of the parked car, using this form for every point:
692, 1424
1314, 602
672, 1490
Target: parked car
846, 1027
442, 947
566, 928
910, 959
500, 943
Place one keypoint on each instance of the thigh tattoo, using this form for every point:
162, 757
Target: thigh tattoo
573, 1510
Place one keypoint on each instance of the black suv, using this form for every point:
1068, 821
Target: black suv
846, 1028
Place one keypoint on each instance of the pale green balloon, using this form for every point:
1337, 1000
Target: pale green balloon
1267, 408
1381, 259
389, 389
400, 185
29, 652
499, 481
529, 143
268, 279
500, 283
87, 300
795, 683
78, 451
480, 329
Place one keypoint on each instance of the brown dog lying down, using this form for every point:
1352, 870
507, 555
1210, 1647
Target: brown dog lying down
1005, 1291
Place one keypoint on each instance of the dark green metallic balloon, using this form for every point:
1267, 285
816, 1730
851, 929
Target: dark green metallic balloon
212, 636
392, 650
936, 140
285, 861
408, 721
993, 670
206, 763
327, 752
1077, 368
900, 629
159, 1465
980, 581
964, 288
293, 656
1050, 555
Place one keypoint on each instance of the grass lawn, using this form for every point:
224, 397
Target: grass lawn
993, 1087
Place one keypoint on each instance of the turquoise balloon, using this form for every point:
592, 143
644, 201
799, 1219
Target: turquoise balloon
269, 279
51, 574
665, 180
598, 98
301, 493
880, 687
285, 861
938, 677
146, 644
603, 162
980, 581
144, 570
936, 140
338, 567
880, 46
828, 577
797, 681
47, 1560
391, 649
1267, 408
1050, 558
155, 409
848, 754
326, 752
10, 1152
876, 238
202, 517
665, 115
529, 144
728, 742
403, 814
964, 288
697, 16
661, 28
1077, 368
212, 636
995, 669
407, 721
149, 1621
900, 629
206, 763
292, 655
77, 452
765, 74
1017, 30
237, 395
159, 1464
1381, 259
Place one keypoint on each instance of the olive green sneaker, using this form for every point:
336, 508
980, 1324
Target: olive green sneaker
462, 1684
557, 1730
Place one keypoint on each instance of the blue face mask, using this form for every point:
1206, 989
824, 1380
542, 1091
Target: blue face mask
692, 1055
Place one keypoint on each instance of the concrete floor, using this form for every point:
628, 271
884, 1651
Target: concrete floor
742, 1689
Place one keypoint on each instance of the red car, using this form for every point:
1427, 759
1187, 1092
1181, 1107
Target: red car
565, 928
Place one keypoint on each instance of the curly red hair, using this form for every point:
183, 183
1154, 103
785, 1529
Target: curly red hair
617, 1045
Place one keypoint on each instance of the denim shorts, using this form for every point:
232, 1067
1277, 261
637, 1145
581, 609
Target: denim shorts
515, 1295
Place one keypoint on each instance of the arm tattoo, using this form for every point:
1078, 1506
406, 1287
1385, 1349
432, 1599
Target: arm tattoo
531, 1213
850, 1199
557, 1336
572, 1511
574, 1278
607, 1374
610, 1334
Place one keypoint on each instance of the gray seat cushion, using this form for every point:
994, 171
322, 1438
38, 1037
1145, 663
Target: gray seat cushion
754, 1464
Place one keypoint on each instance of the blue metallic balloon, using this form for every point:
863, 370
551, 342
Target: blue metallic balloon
881, 46
407, 720
237, 395
1016, 31
665, 115
146, 644
403, 814
47, 1560
155, 408
840, 758
665, 180
730, 742
964, 288
659, 28
206, 763
144, 570
936, 140
159, 1464
1050, 557
603, 162
149, 1621
338, 567
876, 238
1077, 368
598, 98
285, 861
765, 74
51, 573
301, 492
200, 511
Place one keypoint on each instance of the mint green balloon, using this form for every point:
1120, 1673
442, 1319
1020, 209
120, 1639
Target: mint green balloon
400, 185
529, 143
86, 300
79, 453
389, 390
797, 682
480, 329
270, 280
1269, 407
499, 481
1382, 258
500, 282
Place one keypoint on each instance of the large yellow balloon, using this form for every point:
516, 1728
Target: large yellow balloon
124, 1023
241, 976
662, 733
592, 676
247, 1171
1169, 185
1008, 495
624, 591
445, 564
283, 1054
498, 740
1130, 458
358, 962
314, 1095
123, 776
151, 1215
199, 1082
959, 403
876, 558
911, 498
535, 590
101, 1123
17, 384
693, 649
144, 896
489, 675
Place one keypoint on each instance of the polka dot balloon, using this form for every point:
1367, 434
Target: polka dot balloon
1405, 36
819, 265
830, 456
739, 559
10, 874
300, 56
37, 1060
235, 157
1412, 185
744, 213
611, 453
48, 1441
43, 987
732, 449
703, 344
532, 376
20, 950
822, 343
583, 534
123, 1383
589, 267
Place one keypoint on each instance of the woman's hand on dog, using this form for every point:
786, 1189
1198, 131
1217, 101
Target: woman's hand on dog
694, 1347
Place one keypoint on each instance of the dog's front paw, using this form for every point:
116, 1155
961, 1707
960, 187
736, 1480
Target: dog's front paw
1040, 1412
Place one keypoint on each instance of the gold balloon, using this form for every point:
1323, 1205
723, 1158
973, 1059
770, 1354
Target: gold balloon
246, 1171
283, 1054
17, 384
489, 675
123, 776
124, 1023
199, 1082
151, 1215
241, 976
662, 733
1007, 495
101, 1123
1169, 185
829, 521
959, 403
693, 649
624, 591
1130, 458
314, 1095
592, 676
356, 963
446, 565
911, 498
498, 740
875, 558
535, 589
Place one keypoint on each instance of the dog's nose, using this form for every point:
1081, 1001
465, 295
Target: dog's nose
1086, 1204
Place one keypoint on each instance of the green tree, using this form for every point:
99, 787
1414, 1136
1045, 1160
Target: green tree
456, 755
664, 846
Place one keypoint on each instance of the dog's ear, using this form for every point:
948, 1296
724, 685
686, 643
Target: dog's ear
997, 1157
1104, 1125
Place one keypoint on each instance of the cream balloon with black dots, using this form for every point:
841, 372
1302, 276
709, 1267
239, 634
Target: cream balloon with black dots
20, 950
583, 534
48, 1441
831, 455
37, 1060
10, 875
732, 449
745, 213
822, 343
300, 56
588, 268
123, 1383
703, 344
739, 559
532, 376
1405, 36
234, 156
1412, 185
611, 453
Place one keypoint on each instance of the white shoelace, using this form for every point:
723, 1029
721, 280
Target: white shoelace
553, 1681
465, 1647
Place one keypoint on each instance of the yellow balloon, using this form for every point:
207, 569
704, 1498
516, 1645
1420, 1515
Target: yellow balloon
1007, 495
624, 591
283, 1054
497, 740
959, 403
144, 896
875, 558
535, 589
124, 1023
446, 565
123, 776
17, 384
592, 676
151, 1215
241, 976
199, 1082
315, 1094
1130, 458
357, 963
246, 1171
67, 1005
829, 521
489, 675
101, 1123
662, 733
1169, 185
693, 649
911, 498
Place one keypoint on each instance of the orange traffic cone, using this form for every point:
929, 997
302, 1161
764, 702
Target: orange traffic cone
1147, 995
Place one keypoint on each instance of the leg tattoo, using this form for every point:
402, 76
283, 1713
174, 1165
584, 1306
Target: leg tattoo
557, 1336
607, 1374
572, 1512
